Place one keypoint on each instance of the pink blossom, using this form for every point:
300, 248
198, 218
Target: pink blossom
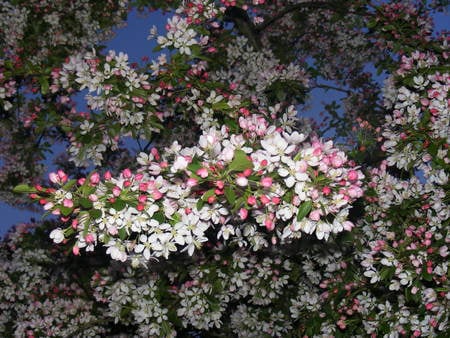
116, 191
337, 161
157, 194
58, 178
355, 191
202, 172
191, 182
68, 203
326, 190
315, 215
90, 238
241, 181
352, 175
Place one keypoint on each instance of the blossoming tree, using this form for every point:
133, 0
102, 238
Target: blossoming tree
235, 217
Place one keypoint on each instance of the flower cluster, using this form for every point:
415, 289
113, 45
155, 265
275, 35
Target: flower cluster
254, 72
403, 245
233, 183
123, 95
420, 118
36, 28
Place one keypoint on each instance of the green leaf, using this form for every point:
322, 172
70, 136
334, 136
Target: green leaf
43, 81
65, 211
200, 204
221, 105
119, 205
95, 213
85, 203
387, 273
240, 161
24, 189
69, 185
238, 203
208, 194
230, 195
194, 166
123, 233
159, 216
304, 210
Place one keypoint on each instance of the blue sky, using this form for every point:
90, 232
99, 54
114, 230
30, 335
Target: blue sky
133, 41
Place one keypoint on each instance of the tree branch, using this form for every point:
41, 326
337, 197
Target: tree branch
324, 86
293, 8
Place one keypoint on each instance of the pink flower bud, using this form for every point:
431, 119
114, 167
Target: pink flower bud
76, 250
264, 199
94, 179
126, 173
266, 182
269, 224
74, 223
62, 176
48, 206
251, 200
243, 213
247, 172
348, 226
53, 177
155, 153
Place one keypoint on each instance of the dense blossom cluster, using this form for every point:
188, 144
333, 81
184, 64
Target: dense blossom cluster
253, 72
51, 26
404, 243
284, 233
235, 183
37, 298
